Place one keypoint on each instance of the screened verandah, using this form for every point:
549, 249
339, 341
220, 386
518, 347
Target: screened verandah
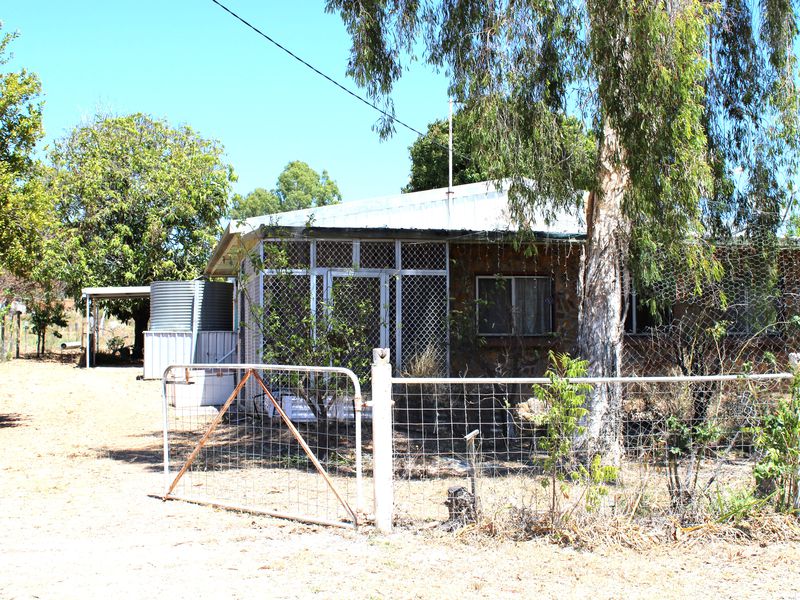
387, 293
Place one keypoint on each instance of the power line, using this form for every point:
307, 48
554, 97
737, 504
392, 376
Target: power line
317, 71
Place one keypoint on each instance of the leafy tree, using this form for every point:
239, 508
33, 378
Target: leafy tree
779, 441
24, 204
256, 203
430, 157
430, 161
662, 84
138, 201
47, 310
298, 186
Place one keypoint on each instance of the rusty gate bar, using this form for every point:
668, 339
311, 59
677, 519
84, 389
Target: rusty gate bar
251, 370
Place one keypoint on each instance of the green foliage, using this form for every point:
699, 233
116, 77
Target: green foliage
733, 506
565, 411
115, 344
45, 312
595, 480
256, 203
779, 441
298, 186
24, 205
430, 160
686, 445
138, 201
564, 401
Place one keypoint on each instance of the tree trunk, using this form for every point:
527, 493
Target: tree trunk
40, 342
141, 317
602, 286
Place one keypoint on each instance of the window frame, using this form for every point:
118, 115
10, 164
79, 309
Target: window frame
514, 319
635, 329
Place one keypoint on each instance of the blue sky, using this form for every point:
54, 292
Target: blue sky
189, 62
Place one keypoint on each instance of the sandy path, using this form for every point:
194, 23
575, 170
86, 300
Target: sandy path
77, 523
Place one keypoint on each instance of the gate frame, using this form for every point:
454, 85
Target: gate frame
251, 371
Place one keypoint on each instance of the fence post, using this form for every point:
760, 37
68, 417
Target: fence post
382, 439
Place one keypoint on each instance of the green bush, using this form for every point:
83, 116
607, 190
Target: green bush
565, 411
779, 441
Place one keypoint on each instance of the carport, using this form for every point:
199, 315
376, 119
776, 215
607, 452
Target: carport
91, 295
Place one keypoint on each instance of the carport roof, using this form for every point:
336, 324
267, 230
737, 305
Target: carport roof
116, 292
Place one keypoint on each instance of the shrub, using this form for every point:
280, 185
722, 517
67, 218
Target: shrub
779, 440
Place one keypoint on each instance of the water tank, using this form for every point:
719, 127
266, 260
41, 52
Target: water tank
171, 305
214, 308
176, 305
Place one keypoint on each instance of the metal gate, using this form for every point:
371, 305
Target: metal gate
277, 440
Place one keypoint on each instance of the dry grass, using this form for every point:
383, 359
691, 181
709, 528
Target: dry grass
78, 460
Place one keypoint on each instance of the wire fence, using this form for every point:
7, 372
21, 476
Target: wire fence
496, 447
287, 441
277, 440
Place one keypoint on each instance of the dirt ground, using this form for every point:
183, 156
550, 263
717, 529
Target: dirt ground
77, 522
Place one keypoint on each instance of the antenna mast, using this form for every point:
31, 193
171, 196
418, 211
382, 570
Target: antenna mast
450, 154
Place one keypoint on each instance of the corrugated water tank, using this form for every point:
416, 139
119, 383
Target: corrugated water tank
176, 305
214, 311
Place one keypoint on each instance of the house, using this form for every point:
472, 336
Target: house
442, 279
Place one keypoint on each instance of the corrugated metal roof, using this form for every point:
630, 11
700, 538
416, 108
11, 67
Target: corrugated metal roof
477, 207
472, 208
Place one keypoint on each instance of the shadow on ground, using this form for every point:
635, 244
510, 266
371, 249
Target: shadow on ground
11, 420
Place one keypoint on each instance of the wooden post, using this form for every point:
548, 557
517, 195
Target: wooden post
382, 439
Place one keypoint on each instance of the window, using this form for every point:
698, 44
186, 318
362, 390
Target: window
752, 311
641, 317
514, 305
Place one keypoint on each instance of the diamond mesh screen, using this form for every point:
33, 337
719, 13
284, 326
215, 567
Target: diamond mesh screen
424, 324
377, 255
335, 254
424, 255
747, 321
287, 254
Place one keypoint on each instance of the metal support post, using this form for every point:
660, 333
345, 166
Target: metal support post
88, 331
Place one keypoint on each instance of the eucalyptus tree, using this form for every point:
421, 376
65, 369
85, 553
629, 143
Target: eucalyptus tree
138, 201
693, 105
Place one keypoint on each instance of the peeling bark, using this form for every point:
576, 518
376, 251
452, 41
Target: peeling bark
603, 280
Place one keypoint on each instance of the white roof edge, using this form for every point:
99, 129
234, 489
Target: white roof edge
137, 291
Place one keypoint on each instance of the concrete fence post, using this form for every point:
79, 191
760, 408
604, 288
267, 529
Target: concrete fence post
382, 438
